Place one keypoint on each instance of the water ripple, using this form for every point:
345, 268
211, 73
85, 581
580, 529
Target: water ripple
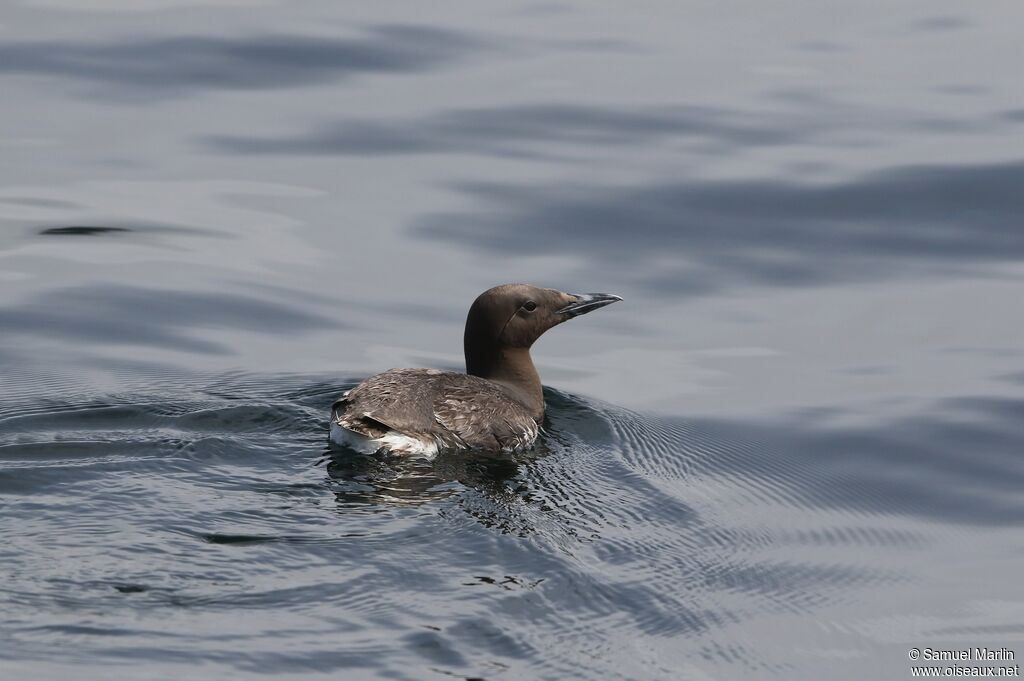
221, 499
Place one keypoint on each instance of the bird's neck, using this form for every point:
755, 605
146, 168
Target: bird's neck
512, 369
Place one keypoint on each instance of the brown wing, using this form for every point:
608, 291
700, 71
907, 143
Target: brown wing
398, 399
455, 410
483, 416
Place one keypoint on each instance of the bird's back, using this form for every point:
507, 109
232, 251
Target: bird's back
425, 410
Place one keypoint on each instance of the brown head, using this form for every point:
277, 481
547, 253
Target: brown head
506, 320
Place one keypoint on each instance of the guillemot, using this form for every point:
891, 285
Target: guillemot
497, 405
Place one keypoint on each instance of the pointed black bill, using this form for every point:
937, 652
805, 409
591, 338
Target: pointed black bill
585, 302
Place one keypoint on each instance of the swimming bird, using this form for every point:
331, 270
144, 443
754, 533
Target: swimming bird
497, 405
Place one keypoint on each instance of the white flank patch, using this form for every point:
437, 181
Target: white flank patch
392, 441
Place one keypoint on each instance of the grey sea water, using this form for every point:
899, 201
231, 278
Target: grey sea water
793, 452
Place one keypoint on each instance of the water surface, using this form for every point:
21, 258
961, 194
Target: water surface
793, 452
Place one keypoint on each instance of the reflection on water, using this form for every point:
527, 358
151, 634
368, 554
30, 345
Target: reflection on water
893, 223
362, 480
82, 230
175, 66
212, 210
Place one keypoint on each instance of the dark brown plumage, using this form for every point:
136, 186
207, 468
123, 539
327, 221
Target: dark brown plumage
497, 405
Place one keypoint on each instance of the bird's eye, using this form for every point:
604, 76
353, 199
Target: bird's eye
529, 306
